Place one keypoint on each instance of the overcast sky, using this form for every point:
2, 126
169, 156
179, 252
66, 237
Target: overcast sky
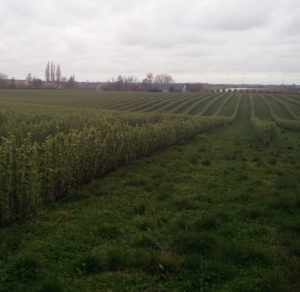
215, 41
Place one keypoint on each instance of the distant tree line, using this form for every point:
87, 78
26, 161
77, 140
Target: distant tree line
156, 83
53, 80
160, 82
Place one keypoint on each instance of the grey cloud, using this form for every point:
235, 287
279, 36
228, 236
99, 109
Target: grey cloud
207, 40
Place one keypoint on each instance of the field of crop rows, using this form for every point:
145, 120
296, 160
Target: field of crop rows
53, 141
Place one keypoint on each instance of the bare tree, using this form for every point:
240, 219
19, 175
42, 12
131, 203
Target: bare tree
47, 72
163, 80
52, 72
29, 77
131, 79
3, 81
147, 82
58, 74
71, 83
148, 79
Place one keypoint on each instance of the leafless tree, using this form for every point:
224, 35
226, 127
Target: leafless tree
148, 79
58, 74
3, 81
71, 83
52, 72
163, 80
29, 78
47, 72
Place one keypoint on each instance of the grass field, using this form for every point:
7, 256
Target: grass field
215, 211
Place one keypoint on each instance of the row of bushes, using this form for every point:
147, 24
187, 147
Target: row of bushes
287, 124
265, 130
209, 104
220, 109
287, 108
32, 172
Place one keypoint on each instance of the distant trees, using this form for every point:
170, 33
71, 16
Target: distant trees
164, 79
37, 83
148, 79
58, 75
160, 82
12, 84
53, 73
147, 82
3, 81
70, 83
47, 72
29, 79
122, 83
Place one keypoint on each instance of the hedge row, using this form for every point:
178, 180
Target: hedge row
265, 130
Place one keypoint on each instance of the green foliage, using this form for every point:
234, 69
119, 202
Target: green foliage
209, 104
293, 125
47, 151
220, 109
232, 225
266, 131
282, 102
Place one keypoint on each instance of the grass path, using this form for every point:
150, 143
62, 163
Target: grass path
218, 213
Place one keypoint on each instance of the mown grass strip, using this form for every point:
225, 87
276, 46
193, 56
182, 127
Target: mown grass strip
163, 99
194, 110
163, 102
170, 105
209, 104
221, 107
149, 101
184, 107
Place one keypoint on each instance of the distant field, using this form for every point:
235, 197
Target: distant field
133, 191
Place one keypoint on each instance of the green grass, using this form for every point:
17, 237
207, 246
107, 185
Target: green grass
215, 106
229, 106
261, 110
217, 213
279, 110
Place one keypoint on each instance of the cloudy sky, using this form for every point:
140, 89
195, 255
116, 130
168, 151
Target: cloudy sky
216, 41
